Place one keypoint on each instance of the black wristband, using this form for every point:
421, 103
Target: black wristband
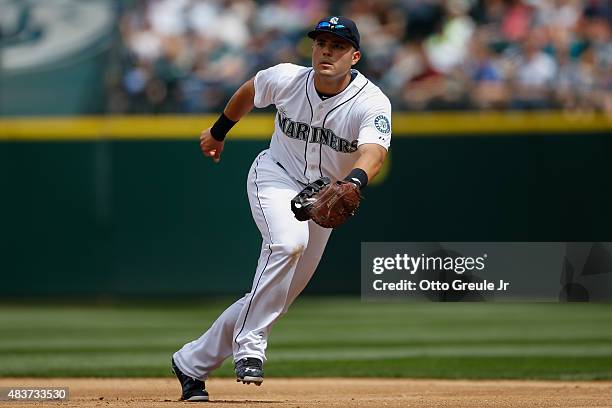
221, 127
359, 177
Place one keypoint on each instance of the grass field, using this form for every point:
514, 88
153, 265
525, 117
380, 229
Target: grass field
319, 337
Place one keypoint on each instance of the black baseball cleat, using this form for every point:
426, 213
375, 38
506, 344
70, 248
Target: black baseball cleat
249, 370
193, 390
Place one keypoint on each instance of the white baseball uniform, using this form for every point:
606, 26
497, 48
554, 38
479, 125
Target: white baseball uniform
312, 138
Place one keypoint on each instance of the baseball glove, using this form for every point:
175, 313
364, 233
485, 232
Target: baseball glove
329, 205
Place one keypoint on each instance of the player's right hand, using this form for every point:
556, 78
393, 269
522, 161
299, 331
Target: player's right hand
210, 146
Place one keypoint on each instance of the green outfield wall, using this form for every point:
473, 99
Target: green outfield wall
98, 216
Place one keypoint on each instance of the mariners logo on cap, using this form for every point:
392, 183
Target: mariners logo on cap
382, 124
333, 20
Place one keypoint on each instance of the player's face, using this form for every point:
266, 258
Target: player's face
332, 56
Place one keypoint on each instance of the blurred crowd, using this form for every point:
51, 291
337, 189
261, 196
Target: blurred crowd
191, 55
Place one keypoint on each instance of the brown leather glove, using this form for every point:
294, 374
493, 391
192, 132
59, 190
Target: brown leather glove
329, 205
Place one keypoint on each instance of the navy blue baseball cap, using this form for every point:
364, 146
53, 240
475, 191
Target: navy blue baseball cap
340, 26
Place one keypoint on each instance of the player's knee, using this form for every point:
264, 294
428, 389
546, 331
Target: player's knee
292, 248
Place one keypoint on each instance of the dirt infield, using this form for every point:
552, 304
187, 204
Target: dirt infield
325, 392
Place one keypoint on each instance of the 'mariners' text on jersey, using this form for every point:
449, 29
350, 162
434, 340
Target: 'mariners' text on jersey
314, 134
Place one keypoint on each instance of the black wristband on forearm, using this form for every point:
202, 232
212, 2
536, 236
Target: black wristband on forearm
359, 177
221, 127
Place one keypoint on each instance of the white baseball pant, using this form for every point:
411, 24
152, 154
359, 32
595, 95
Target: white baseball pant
290, 253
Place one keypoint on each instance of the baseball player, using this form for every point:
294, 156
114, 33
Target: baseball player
331, 122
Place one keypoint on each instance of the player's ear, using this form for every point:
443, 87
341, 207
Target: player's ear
356, 57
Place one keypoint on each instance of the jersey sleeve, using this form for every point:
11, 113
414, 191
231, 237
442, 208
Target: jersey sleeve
268, 82
376, 123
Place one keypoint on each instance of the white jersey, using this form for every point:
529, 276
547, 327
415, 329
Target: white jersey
313, 137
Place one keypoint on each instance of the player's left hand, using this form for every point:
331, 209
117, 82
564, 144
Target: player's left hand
210, 146
328, 204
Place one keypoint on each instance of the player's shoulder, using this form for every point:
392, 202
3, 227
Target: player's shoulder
372, 97
287, 69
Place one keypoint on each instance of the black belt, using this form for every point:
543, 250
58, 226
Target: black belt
281, 166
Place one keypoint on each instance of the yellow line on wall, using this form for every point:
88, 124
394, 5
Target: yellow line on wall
138, 127
442, 123
260, 126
